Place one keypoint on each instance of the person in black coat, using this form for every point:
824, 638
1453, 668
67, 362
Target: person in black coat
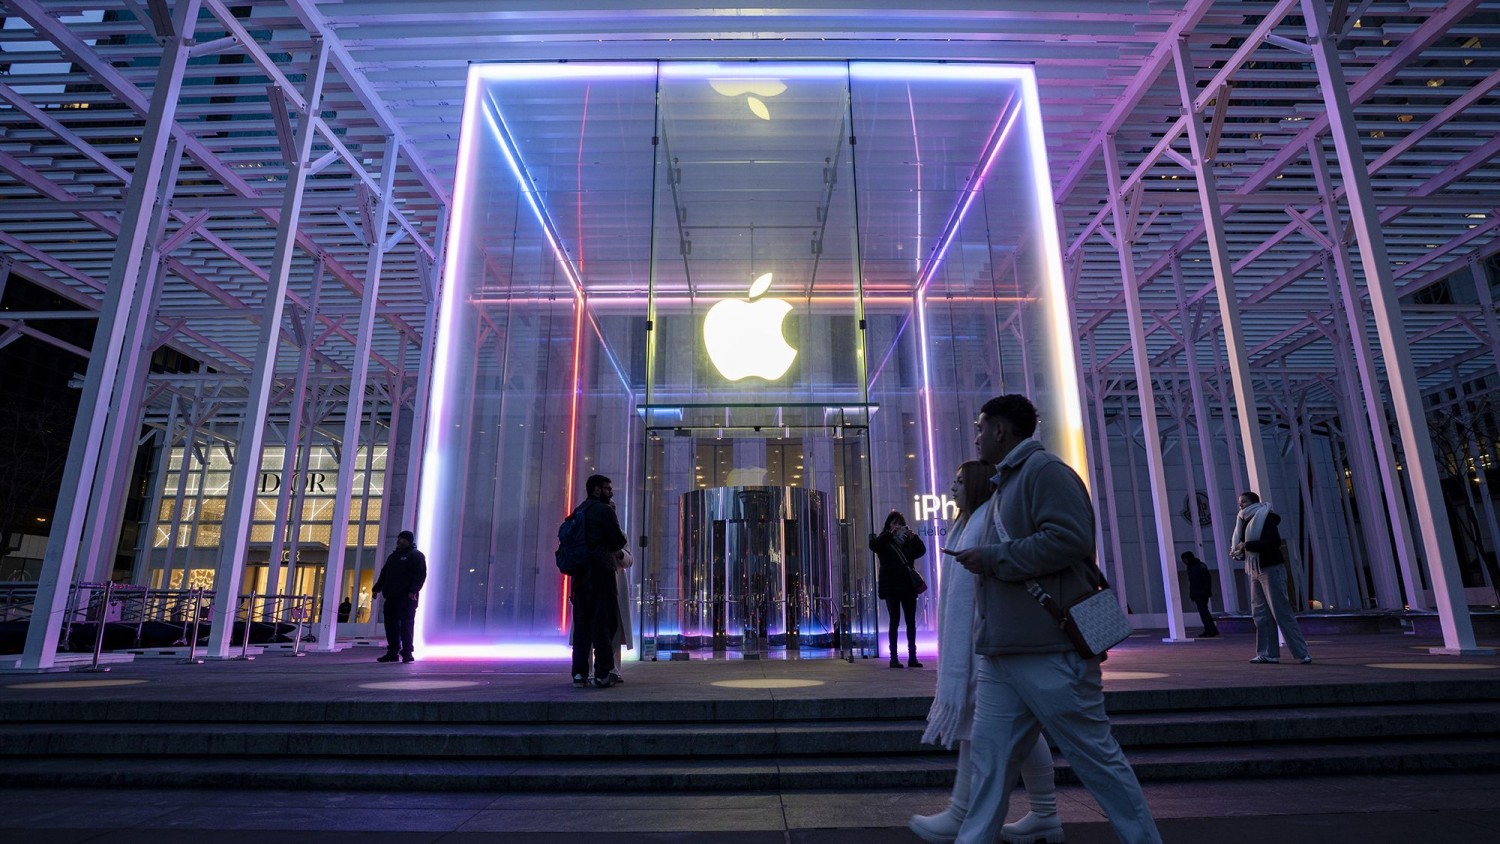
593, 593
401, 578
1200, 589
898, 550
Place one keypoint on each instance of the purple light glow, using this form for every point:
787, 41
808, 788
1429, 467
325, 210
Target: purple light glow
443, 447
437, 451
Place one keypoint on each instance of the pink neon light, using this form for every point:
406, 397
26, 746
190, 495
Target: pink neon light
509, 651
562, 609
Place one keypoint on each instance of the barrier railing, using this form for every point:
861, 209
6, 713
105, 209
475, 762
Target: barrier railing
17, 600
103, 604
275, 610
115, 615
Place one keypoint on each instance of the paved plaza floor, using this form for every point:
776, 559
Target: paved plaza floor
1448, 807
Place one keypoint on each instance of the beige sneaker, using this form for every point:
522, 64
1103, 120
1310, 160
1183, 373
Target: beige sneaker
941, 828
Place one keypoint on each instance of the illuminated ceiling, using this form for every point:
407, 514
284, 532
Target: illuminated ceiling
77, 80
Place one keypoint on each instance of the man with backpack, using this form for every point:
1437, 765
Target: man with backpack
587, 542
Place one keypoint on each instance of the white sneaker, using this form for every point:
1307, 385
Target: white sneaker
941, 828
1033, 829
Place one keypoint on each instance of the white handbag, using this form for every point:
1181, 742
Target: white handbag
1094, 623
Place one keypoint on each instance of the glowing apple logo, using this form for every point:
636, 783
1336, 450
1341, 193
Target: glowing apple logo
743, 336
752, 90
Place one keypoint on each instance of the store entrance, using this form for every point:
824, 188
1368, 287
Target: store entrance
753, 543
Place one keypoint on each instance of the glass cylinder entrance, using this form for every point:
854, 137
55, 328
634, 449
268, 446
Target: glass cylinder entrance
767, 300
755, 570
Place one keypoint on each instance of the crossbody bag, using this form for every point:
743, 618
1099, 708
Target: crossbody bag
1094, 623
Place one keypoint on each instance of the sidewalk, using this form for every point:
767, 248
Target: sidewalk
1446, 808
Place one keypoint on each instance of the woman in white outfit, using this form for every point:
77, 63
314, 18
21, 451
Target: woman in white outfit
622, 638
951, 718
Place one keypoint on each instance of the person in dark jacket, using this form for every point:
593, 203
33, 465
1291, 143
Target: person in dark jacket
898, 550
1257, 541
1200, 589
400, 580
593, 594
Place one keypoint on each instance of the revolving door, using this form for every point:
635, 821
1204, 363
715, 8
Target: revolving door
754, 569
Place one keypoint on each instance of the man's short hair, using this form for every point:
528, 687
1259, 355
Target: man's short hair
595, 482
1254, 499
1017, 411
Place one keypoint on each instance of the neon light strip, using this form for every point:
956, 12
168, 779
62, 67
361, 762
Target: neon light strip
534, 71
971, 192
926, 393
562, 609
513, 158
1064, 354
755, 70
435, 468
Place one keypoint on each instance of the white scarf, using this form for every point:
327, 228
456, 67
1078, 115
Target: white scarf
1255, 517
951, 717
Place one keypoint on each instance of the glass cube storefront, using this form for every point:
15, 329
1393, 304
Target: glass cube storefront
766, 299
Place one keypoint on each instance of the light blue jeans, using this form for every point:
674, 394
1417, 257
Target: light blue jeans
1271, 609
1019, 694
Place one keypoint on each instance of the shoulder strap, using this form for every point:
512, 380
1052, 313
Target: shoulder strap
1036, 591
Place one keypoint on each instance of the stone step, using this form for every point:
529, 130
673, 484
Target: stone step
759, 774
487, 741
707, 740
626, 705
1323, 723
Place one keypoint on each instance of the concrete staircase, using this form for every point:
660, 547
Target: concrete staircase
605, 741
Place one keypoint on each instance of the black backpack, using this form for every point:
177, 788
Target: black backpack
573, 554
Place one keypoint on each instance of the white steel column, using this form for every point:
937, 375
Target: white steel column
1151, 433
141, 574
416, 437
239, 506
122, 298
1371, 429
1218, 250
1492, 329
1107, 479
293, 439
101, 536
1416, 440
338, 537
1219, 519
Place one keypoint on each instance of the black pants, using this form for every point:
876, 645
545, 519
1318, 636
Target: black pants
400, 625
1208, 619
894, 606
595, 616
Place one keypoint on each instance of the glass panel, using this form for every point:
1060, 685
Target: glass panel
533, 391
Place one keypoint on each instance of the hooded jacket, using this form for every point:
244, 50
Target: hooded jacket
404, 573
1047, 528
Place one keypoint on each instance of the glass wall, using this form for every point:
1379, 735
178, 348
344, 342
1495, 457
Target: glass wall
767, 299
